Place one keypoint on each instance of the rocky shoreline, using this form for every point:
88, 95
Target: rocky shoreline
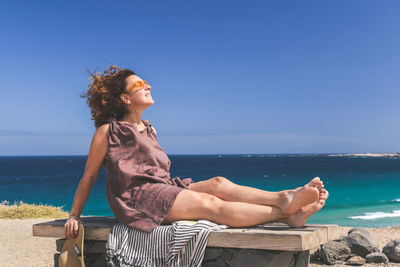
360, 248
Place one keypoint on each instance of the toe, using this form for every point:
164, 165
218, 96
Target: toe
315, 182
324, 194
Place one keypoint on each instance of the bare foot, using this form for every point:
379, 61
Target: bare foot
293, 200
300, 218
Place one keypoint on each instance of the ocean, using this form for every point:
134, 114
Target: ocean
364, 191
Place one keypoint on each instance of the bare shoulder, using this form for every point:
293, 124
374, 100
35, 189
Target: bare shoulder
100, 136
103, 129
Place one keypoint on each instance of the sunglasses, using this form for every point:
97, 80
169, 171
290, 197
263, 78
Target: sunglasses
138, 85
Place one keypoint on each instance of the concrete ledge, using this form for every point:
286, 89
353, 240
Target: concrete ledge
275, 236
271, 245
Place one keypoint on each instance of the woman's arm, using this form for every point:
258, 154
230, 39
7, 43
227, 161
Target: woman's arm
97, 153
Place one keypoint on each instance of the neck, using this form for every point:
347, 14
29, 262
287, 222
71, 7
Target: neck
134, 116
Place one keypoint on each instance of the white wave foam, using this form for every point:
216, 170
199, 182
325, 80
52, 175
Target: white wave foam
396, 200
377, 215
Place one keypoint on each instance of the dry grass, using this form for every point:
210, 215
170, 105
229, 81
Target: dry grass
23, 210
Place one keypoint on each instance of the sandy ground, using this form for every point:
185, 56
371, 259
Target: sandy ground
19, 248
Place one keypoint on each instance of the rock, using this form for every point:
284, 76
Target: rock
284, 258
214, 263
358, 229
228, 253
212, 253
377, 257
361, 242
392, 250
314, 256
355, 260
258, 258
333, 251
341, 238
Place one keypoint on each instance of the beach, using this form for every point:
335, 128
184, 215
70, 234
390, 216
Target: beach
19, 248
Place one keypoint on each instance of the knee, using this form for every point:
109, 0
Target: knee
219, 182
210, 204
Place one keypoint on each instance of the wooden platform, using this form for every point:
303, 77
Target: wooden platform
275, 236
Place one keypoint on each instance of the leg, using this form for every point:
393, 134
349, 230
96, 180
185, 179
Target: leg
289, 201
190, 205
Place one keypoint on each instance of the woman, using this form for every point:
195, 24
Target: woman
139, 189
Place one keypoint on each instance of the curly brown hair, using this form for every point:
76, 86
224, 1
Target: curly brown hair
103, 95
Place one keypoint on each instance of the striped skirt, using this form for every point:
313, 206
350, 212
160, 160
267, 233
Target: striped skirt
181, 244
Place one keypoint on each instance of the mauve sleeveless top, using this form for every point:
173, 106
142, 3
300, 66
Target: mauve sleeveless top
139, 188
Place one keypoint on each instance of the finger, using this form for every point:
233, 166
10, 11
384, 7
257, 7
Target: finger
76, 229
71, 230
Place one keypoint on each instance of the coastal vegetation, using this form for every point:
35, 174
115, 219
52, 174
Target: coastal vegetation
23, 210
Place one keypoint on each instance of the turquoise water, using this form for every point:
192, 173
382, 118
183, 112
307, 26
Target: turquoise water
363, 191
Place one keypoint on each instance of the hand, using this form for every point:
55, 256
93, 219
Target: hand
71, 228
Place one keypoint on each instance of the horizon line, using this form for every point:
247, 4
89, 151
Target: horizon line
218, 154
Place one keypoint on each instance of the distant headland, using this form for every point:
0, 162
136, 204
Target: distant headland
375, 155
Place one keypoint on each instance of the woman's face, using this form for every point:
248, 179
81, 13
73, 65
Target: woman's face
138, 92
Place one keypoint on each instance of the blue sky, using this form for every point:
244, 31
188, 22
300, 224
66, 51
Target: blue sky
227, 76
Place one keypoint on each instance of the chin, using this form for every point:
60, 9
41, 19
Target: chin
150, 103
